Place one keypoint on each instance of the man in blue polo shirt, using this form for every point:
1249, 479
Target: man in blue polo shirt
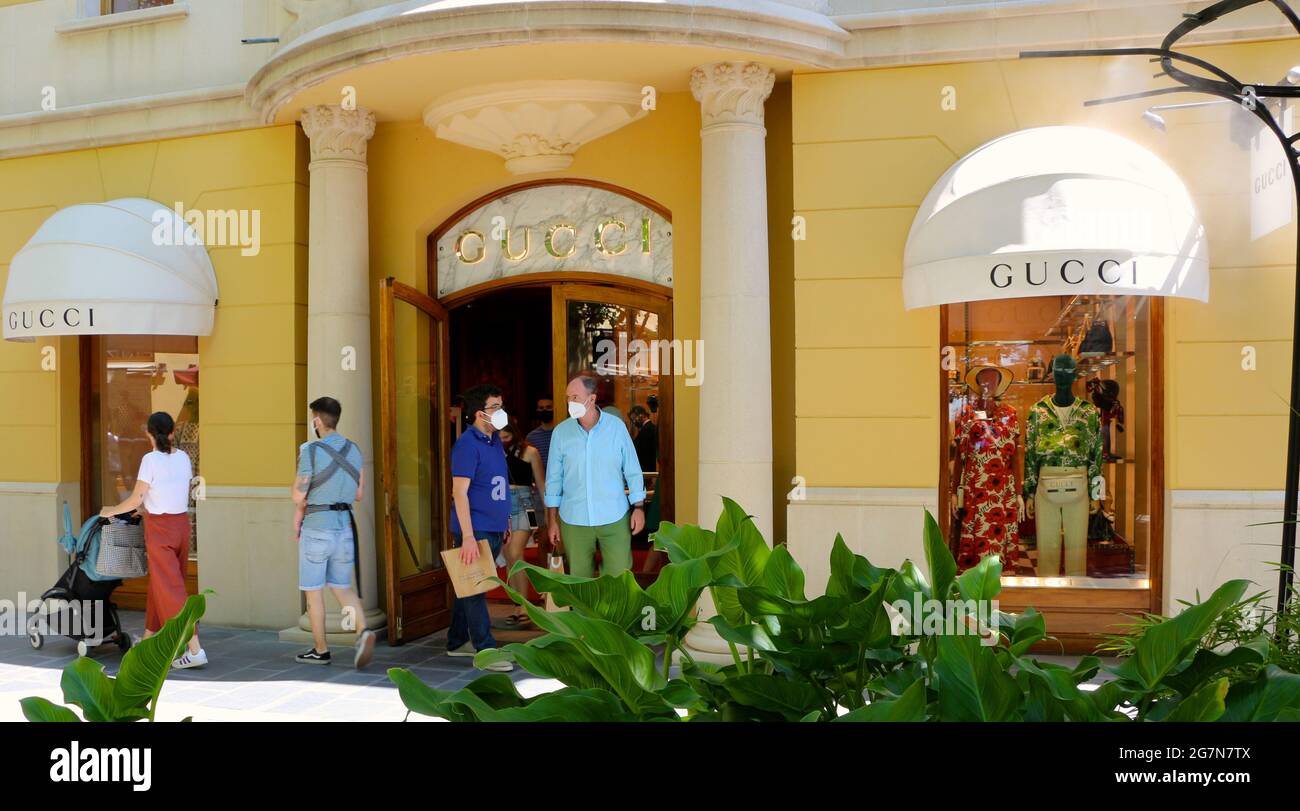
595, 493
480, 494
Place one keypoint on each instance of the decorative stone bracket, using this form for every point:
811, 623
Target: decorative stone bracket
536, 126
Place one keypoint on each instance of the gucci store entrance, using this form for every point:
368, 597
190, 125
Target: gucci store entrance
536, 284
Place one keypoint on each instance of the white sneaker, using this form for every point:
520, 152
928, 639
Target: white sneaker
464, 650
189, 660
500, 667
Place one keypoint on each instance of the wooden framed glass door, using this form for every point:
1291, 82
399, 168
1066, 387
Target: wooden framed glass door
623, 338
414, 445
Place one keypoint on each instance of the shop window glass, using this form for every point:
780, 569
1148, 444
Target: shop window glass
134, 376
1108, 337
116, 6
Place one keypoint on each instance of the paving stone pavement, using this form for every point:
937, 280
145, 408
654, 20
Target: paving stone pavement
252, 676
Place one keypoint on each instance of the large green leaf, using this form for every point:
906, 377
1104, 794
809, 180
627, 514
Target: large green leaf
619, 599
674, 594
1028, 628
983, 581
783, 576
686, 543
852, 575
1207, 663
938, 558
40, 709
1164, 646
865, 622
972, 685
480, 700
1108, 698
550, 657
759, 601
1274, 695
85, 685
750, 635
909, 582
146, 664
567, 705
774, 693
910, 706
1206, 704
624, 663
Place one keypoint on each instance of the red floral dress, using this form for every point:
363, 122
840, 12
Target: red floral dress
990, 524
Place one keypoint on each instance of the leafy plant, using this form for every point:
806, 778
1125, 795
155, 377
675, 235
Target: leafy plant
851, 654
133, 693
1242, 623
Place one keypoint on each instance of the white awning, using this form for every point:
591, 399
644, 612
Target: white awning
1055, 211
124, 267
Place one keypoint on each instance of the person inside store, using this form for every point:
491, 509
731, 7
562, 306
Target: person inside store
1063, 479
527, 487
595, 493
646, 439
329, 480
986, 507
162, 487
480, 512
540, 437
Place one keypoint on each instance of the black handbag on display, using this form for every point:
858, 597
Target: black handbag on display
1097, 342
1100, 528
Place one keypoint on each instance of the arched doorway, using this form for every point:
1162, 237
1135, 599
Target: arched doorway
529, 333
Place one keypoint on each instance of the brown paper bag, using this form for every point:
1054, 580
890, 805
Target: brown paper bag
471, 580
556, 564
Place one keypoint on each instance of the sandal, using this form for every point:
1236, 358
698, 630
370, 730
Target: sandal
512, 622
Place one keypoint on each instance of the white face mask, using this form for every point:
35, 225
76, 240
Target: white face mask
499, 419
577, 410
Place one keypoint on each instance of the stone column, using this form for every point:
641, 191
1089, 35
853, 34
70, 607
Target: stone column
338, 314
735, 320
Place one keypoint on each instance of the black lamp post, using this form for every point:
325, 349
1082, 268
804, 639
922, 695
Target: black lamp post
1221, 83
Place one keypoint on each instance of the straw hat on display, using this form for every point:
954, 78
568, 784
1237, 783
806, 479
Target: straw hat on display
1004, 378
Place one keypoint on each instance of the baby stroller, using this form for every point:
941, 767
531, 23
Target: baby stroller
69, 607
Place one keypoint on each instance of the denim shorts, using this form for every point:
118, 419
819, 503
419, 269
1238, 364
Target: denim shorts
325, 557
521, 501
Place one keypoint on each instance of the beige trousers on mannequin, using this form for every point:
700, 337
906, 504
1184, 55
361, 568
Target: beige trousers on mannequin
1061, 512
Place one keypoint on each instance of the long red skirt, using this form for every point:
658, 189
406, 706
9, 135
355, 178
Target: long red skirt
167, 545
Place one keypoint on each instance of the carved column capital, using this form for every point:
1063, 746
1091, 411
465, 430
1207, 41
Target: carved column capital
732, 92
337, 133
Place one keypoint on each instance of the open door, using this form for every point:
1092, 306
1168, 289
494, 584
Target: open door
622, 338
414, 441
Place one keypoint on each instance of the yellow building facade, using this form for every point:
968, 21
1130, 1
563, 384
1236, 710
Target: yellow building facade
782, 149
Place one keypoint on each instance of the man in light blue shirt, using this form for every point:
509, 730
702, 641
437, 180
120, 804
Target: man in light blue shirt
592, 478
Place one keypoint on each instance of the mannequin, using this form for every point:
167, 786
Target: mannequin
1063, 480
986, 501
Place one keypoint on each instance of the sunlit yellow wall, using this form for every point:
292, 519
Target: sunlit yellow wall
253, 376
868, 145
417, 181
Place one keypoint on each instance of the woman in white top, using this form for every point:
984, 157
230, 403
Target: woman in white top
163, 487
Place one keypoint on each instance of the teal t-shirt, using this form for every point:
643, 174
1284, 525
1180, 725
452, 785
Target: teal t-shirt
340, 488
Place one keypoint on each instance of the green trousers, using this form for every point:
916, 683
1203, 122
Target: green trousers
615, 540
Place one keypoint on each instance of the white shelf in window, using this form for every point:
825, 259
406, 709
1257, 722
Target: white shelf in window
124, 19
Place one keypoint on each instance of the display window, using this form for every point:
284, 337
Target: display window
130, 377
1050, 438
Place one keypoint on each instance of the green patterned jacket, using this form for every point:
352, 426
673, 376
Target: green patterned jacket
1047, 442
